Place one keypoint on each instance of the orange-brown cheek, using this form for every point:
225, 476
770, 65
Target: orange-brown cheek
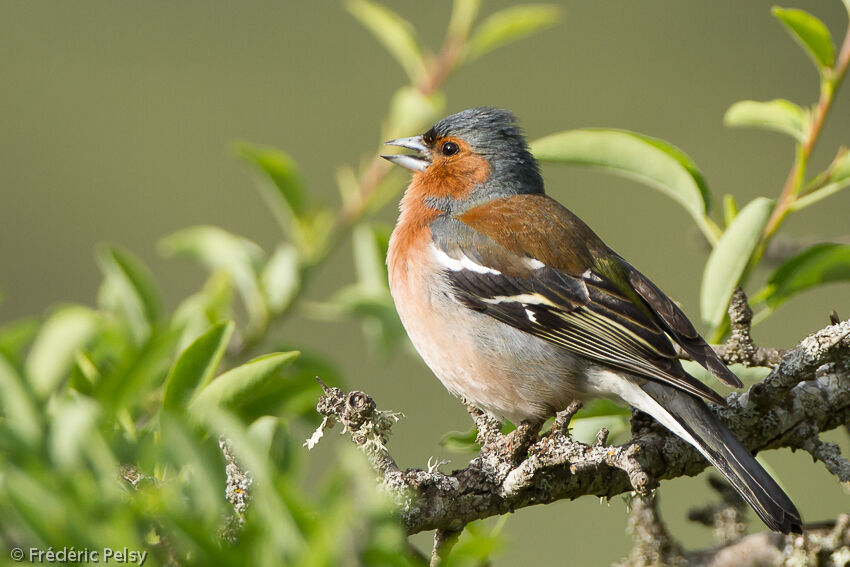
454, 177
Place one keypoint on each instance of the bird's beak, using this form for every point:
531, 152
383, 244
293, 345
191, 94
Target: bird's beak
413, 163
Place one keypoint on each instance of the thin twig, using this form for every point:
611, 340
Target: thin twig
444, 541
795, 175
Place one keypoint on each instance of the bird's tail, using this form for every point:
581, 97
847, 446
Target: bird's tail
691, 419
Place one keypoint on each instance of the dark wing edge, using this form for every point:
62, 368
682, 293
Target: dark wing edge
678, 326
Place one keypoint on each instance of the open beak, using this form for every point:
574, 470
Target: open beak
411, 162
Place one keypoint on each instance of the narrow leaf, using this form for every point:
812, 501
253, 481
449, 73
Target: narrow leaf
295, 392
71, 429
836, 178
19, 411
729, 259
412, 111
393, 32
55, 347
283, 172
272, 513
213, 303
138, 372
370, 251
601, 407
196, 365
281, 278
374, 308
130, 289
649, 160
841, 171
221, 250
810, 33
236, 386
461, 441
778, 115
508, 25
464, 13
821, 264
16, 336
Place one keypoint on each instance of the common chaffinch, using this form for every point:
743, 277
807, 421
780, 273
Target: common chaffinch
519, 307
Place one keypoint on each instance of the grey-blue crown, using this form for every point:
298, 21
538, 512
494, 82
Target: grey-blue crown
487, 130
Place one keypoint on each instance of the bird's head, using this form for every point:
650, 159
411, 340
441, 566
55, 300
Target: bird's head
470, 158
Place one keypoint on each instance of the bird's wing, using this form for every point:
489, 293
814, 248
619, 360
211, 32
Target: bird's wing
530, 263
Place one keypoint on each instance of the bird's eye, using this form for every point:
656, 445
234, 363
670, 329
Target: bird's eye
449, 149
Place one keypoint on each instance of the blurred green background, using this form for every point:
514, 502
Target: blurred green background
116, 121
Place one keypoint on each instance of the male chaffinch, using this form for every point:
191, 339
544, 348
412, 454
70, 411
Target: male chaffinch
519, 307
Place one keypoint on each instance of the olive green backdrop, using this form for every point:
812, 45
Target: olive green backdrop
115, 121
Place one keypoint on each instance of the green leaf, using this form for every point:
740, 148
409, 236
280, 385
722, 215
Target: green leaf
412, 111
207, 307
649, 160
283, 172
375, 310
281, 278
463, 16
138, 371
19, 411
311, 238
84, 374
778, 115
729, 259
16, 336
841, 171
601, 407
275, 516
393, 32
196, 365
821, 264
749, 375
262, 431
461, 441
370, 244
508, 25
295, 393
130, 289
180, 446
238, 385
71, 429
810, 33
67, 331
836, 178
220, 250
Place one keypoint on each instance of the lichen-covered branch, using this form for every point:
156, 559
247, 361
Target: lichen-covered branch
806, 394
236, 491
822, 545
740, 348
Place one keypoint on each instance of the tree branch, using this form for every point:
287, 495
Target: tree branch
807, 393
